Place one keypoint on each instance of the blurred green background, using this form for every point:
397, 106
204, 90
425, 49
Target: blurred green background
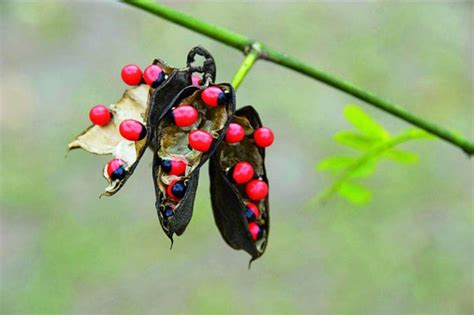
410, 251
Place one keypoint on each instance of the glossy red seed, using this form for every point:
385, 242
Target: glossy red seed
178, 167
235, 133
196, 80
254, 230
131, 74
200, 140
212, 96
116, 169
253, 208
243, 172
263, 137
256, 189
132, 130
100, 115
153, 75
185, 115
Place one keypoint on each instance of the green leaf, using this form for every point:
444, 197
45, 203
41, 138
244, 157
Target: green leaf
364, 123
365, 169
355, 140
402, 156
334, 163
355, 193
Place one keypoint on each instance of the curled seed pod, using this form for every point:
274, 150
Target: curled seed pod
129, 130
242, 221
173, 142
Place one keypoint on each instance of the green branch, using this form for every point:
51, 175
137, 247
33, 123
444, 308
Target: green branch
244, 43
246, 65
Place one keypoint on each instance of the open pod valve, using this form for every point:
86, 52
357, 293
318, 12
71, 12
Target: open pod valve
239, 184
193, 127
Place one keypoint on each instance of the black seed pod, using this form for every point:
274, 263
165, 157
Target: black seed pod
238, 224
173, 141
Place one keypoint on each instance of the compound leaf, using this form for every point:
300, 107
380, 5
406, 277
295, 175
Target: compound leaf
364, 123
355, 193
355, 140
334, 163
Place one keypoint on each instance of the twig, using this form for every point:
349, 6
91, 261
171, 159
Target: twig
245, 44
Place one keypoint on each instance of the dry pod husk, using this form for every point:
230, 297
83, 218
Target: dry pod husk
137, 104
171, 143
229, 199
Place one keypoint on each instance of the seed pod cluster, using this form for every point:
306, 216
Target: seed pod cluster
186, 119
239, 185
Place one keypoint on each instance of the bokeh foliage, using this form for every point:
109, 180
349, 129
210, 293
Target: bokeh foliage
409, 251
374, 143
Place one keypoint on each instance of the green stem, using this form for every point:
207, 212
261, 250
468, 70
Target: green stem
244, 43
246, 65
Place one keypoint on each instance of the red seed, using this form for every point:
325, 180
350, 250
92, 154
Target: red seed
132, 130
178, 167
256, 189
243, 172
263, 137
254, 230
153, 75
200, 140
185, 115
131, 74
196, 80
100, 115
235, 133
116, 169
213, 96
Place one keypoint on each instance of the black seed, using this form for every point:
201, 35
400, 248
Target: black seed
168, 212
142, 133
170, 117
118, 174
178, 190
221, 99
166, 165
249, 215
158, 80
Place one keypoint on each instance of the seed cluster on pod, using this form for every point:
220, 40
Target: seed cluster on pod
187, 135
186, 119
242, 159
130, 129
243, 172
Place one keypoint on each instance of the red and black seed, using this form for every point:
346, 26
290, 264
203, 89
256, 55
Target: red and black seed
255, 231
153, 75
116, 169
176, 190
132, 130
251, 212
173, 167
